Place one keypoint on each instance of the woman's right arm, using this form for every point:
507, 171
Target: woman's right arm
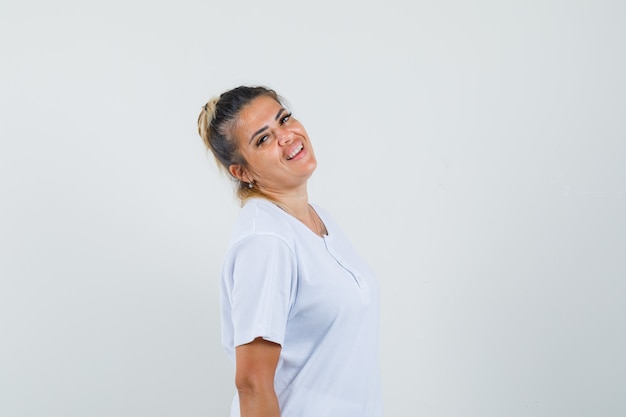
255, 366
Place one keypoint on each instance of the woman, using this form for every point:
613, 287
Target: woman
299, 306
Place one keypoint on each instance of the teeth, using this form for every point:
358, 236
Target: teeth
295, 152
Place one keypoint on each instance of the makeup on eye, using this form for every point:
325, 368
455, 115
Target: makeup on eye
261, 140
284, 119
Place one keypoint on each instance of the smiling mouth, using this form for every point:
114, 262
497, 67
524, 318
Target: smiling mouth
295, 151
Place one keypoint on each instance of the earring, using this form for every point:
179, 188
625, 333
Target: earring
251, 185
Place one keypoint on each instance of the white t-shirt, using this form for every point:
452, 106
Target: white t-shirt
316, 298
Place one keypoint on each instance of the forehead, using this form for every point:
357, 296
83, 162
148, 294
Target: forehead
260, 108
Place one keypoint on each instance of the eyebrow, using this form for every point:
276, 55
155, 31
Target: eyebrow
256, 133
282, 109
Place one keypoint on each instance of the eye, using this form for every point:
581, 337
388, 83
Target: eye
262, 140
285, 119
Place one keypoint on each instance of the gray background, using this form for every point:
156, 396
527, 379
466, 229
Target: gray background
473, 151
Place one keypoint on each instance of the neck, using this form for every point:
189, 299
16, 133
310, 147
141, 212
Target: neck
295, 202
297, 205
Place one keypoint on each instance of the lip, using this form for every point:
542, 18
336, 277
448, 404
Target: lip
293, 149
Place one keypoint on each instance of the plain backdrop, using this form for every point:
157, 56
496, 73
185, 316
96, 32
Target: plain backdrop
474, 152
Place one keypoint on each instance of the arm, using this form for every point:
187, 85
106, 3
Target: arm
254, 377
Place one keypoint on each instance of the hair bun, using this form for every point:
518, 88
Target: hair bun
209, 108
207, 114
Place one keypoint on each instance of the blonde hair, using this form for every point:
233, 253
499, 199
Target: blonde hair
215, 125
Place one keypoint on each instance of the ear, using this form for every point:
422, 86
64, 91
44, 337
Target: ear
240, 173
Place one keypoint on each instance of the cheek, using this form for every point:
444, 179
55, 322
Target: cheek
259, 161
302, 131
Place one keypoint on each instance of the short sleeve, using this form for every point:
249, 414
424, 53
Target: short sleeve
259, 282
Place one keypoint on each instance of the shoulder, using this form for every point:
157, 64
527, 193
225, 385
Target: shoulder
262, 233
261, 220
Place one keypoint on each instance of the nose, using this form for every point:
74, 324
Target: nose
285, 137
